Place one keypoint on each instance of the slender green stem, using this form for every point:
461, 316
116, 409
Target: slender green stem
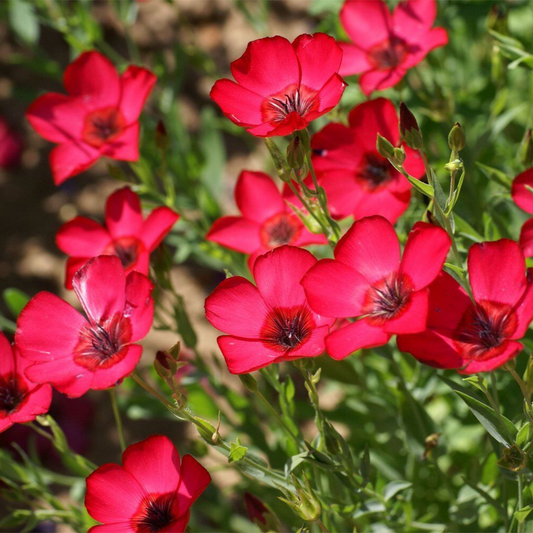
520, 502
40, 431
118, 419
322, 527
280, 420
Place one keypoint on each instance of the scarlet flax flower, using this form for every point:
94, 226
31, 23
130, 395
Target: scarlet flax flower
74, 353
369, 281
151, 492
98, 117
125, 234
280, 87
20, 399
385, 45
266, 222
358, 181
482, 335
523, 198
10, 146
269, 323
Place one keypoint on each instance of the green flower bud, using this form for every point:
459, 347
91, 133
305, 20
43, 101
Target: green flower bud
384, 147
409, 129
305, 502
399, 156
456, 138
296, 153
249, 382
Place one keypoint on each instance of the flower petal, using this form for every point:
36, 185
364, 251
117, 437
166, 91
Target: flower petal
82, 237
69, 159
236, 233
526, 238
334, 289
500, 260
414, 17
194, 480
236, 307
425, 252
94, 78
355, 336
278, 274
335, 148
328, 97
107, 378
319, 57
57, 117
354, 60
366, 23
136, 85
157, 225
125, 147
413, 319
139, 307
123, 215
100, 287
267, 67
422, 46
373, 117
522, 196
512, 349
257, 196
154, 463
72, 266
371, 247
378, 80
246, 355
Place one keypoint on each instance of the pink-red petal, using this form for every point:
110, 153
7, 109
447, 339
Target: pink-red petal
236, 233
258, 197
157, 225
82, 237
139, 306
123, 215
69, 159
194, 480
378, 80
366, 23
522, 196
136, 85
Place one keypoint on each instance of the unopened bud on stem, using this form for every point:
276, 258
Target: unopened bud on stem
456, 138
409, 129
296, 153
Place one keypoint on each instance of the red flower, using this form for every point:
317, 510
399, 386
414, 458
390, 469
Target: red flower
269, 323
74, 353
10, 146
368, 280
523, 198
151, 492
20, 400
358, 181
479, 336
281, 86
266, 221
125, 234
99, 117
386, 45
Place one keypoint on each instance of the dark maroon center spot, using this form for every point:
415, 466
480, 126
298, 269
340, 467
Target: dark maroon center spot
292, 99
12, 393
388, 54
286, 329
103, 125
127, 249
388, 299
101, 345
280, 229
375, 171
484, 329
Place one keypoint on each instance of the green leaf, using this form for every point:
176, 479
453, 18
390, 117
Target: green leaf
479, 382
499, 427
23, 20
237, 452
15, 300
522, 436
496, 175
523, 513
394, 487
420, 186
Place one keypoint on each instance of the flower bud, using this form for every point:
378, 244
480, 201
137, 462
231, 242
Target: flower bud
525, 152
296, 153
163, 364
384, 147
261, 515
513, 459
409, 129
454, 166
399, 156
456, 138
249, 382
305, 502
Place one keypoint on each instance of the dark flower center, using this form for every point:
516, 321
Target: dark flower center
286, 329
127, 249
375, 172
101, 345
102, 126
280, 229
388, 54
12, 393
156, 513
484, 329
388, 298
292, 99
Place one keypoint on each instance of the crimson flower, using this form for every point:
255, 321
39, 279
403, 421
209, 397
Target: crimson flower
266, 221
358, 181
482, 335
384, 45
523, 198
269, 323
20, 399
280, 87
150, 492
125, 234
98, 117
74, 353
369, 281
10, 146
